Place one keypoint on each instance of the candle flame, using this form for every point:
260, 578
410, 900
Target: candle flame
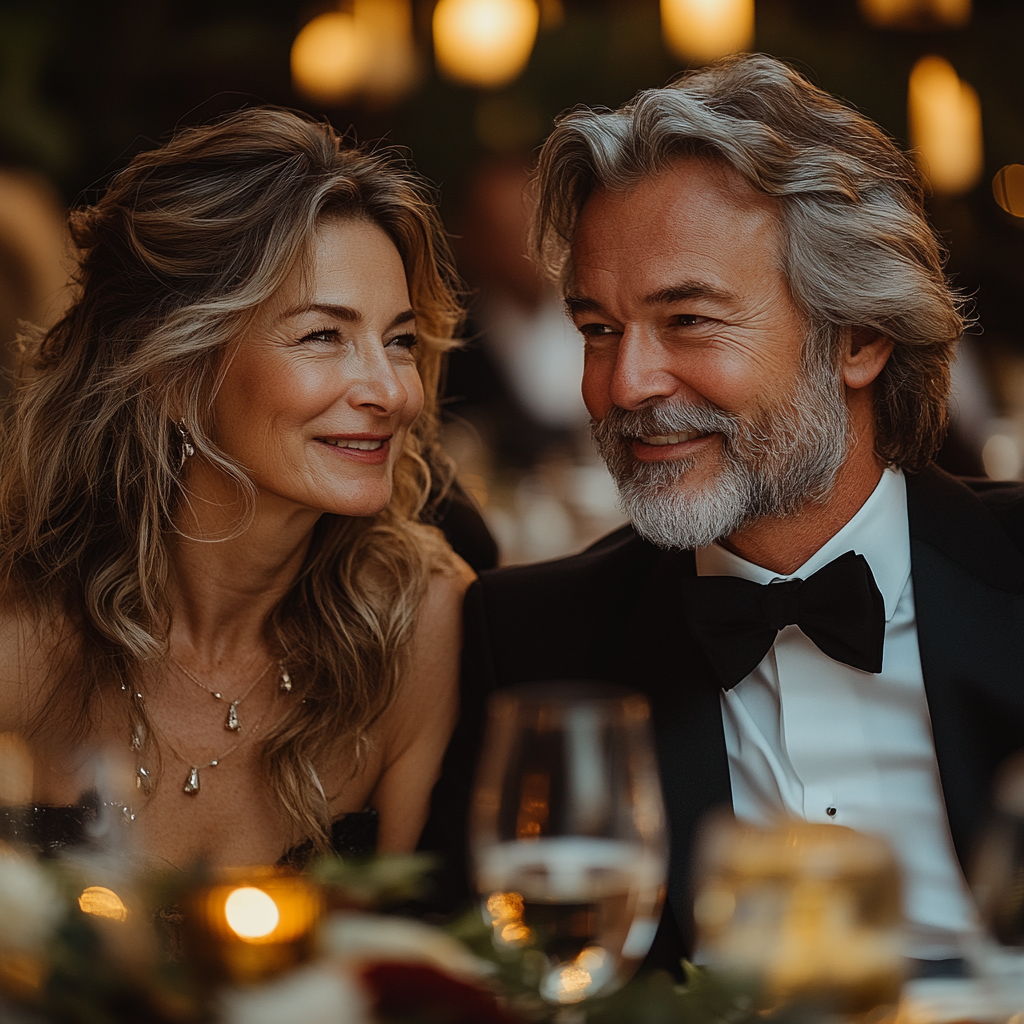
251, 913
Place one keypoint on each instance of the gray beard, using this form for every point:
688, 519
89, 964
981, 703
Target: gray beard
771, 464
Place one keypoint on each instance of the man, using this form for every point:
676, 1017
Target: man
767, 337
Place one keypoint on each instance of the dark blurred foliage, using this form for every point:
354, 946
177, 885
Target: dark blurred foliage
85, 85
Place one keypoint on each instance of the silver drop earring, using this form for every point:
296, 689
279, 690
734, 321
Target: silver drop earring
188, 449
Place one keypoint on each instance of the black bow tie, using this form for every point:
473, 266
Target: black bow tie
839, 608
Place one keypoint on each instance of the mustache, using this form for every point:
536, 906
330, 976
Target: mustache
663, 418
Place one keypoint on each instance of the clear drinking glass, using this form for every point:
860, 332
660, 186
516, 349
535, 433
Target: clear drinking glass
568, 834
803, 913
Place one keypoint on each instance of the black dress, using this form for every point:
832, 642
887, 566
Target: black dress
48, 830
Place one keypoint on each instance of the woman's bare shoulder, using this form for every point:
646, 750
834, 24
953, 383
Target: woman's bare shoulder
427, 695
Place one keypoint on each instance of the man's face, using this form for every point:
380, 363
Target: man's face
703, 402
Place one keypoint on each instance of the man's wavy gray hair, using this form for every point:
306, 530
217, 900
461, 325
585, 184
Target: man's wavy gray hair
858, 251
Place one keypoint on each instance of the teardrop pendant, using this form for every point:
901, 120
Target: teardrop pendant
232, 723
143, 780
191, 786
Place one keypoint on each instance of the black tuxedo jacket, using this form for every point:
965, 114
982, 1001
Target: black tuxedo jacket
614, 612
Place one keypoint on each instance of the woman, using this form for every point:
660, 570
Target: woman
211, 494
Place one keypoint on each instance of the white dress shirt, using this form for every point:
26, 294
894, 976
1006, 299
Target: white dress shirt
816, 739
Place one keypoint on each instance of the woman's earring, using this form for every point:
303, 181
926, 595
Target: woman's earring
188, 449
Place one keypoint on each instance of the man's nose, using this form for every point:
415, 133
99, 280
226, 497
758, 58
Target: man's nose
642, 370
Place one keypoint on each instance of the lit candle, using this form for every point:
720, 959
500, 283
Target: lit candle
251, 925
944, 115
702, 30
484, 42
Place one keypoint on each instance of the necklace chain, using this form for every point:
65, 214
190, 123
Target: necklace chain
192, 782
232, 722
144, 778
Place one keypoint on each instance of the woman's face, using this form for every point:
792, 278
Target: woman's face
320, 392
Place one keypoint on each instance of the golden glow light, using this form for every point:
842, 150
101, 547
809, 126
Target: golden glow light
1008, 188
916, 13
506, 910
702, 30
330, 57
391, 69
101, 902
944, 115
251, 913
484, 42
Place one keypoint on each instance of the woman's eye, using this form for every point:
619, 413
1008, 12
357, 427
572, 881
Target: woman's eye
326, 334
403, 341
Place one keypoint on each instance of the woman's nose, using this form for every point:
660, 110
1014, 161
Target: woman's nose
377, 385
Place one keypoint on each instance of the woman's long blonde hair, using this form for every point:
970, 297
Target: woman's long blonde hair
174, 262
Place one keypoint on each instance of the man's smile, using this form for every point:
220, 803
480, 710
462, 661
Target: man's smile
663, 439
667, 447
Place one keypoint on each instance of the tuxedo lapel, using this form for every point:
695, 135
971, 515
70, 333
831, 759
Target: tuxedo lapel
968, 579
661, 659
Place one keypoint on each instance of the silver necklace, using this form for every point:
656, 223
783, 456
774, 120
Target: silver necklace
192, 785
232, 723
192, 780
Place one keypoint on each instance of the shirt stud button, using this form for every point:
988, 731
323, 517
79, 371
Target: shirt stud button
830, 811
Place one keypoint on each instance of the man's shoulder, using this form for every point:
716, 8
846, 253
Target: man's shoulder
977, 523
1004, 499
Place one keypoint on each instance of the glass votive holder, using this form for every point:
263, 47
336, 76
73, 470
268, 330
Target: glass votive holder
806, 914
249, 925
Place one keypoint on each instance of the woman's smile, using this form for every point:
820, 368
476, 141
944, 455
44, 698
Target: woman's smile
372, 449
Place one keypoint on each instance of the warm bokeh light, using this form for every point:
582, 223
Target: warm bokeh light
1001, 456
102, 902
15, 771
701, 30
944, 115
330, 57
484, 42
533, 805
1008, 188
391, 69
916, 13
506, 910
251, 913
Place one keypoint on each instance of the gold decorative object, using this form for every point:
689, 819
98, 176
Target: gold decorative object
809, 912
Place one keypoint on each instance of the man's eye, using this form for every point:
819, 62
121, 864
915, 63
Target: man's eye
403, 341
595, 330
688, 319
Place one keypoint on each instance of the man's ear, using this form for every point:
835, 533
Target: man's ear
865, 352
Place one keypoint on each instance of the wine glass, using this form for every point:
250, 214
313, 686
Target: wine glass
567, 834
